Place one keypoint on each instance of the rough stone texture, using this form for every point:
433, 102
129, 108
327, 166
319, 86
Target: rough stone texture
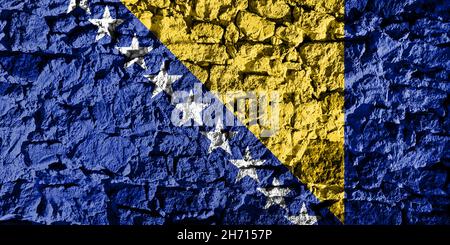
294, 47
82, 141
397, 112
255, 28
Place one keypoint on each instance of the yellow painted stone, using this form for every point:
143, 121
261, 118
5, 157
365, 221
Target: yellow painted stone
200, 53
294, 47
293, 34
232, 33
208, 9
335, 7
255, 27
159, 3
276, 9
207, 33
201, 73
319, 26
179, 29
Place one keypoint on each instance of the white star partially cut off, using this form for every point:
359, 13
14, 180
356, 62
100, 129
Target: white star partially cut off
106, 25
191, 110
83, 4
218, 138
303, 218
135, 53
275, 194
247, 166
162, 81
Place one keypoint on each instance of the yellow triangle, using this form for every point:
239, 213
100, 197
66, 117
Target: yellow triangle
294, 48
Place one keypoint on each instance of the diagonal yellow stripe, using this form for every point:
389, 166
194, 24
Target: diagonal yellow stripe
294, 47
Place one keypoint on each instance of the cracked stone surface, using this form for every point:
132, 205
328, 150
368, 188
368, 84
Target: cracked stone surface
397, 112
82, 141
293, 47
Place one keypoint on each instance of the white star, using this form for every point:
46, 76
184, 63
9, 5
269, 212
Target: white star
162, 81
106, 25
191, 110
83, 4
134, 53
218, 138
247, 166
303, 218
275, 194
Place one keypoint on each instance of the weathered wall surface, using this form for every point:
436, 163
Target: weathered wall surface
293, 47
397, 112
84, 141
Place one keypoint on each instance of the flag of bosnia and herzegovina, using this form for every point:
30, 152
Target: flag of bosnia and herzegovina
224, 111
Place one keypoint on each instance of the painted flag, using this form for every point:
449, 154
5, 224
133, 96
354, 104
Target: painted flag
285, 112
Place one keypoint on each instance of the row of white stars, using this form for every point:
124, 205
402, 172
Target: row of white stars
192, 110
106, 26
134, 53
